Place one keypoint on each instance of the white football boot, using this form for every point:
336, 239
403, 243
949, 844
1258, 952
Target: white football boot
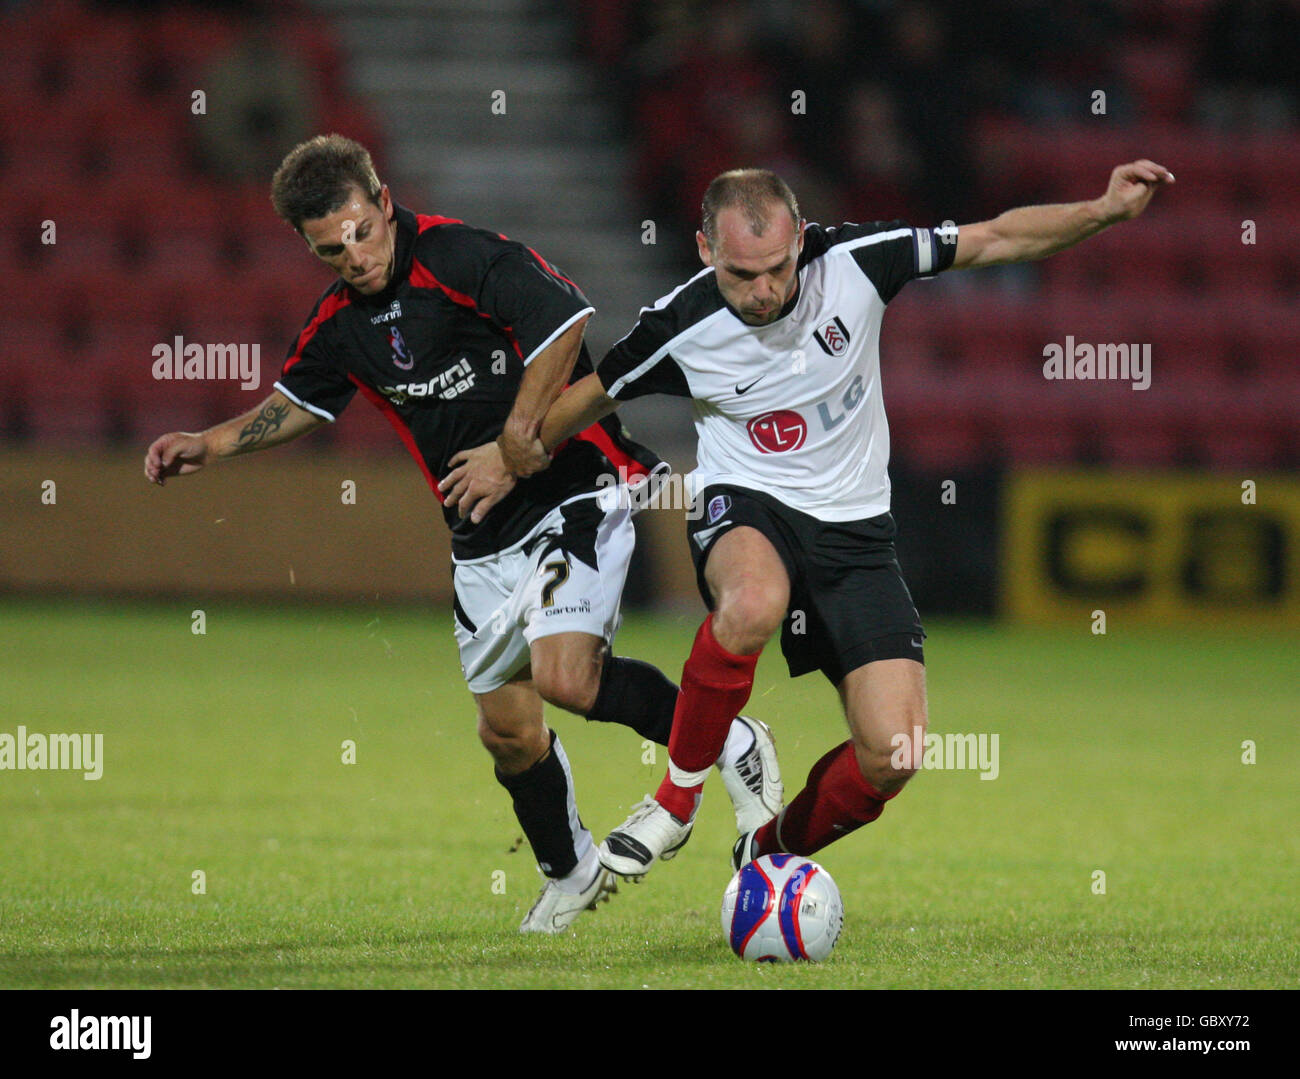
742, 851
556, 909
754, 781
651, 833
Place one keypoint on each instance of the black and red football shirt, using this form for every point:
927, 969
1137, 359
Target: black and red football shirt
441, 352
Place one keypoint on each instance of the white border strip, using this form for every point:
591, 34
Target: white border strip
663, 350
303, 404
874, 238
564, 326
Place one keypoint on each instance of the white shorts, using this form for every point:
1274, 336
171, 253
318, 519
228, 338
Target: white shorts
566, 577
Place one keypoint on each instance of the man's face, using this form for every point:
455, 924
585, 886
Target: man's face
357, 241
757, 275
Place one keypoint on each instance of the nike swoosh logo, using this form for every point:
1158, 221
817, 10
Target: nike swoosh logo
745, 389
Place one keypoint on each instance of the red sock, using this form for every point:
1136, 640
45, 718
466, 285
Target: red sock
836, 800
715, 686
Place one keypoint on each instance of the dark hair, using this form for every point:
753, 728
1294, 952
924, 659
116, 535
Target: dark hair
316, 176
752, 190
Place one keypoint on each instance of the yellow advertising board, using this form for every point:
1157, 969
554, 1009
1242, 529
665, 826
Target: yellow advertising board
1168, 547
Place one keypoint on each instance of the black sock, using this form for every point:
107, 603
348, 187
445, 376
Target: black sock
637, 695
542, 800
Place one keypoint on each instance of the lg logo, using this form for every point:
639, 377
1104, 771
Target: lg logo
777, 432
785, 430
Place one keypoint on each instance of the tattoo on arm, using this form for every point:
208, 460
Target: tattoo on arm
265, 423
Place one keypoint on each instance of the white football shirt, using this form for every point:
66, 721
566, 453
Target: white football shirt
794, 408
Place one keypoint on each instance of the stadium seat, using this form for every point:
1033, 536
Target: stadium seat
1160, 76
78, 413
995, 340
935, 444
1123, 445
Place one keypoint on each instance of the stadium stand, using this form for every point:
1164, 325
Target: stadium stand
1002, 96
98, 137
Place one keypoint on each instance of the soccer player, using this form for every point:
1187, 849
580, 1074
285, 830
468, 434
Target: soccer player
459, 335
777, 342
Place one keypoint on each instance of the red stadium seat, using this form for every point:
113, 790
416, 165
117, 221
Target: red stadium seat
935, 422
932, 441
1040, 438
1125, 446
1161, 78
990, 338
1273, 163
79, 412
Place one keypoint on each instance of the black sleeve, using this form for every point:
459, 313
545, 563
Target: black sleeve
523, 294
640, 363
312, 376
892, 253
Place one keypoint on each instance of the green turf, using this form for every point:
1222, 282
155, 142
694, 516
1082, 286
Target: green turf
222, 754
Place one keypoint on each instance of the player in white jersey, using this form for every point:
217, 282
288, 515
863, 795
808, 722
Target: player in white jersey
777, 342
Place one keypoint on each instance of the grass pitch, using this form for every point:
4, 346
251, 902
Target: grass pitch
223, 754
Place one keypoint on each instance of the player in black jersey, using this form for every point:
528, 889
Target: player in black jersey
461, 337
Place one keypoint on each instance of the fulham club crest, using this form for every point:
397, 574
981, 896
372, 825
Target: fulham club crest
833, 337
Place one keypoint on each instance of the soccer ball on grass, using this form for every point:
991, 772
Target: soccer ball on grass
782, 907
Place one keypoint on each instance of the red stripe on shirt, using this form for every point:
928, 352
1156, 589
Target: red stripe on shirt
402, 428
551, 269
422, 277
544, 264
428, 221
627, 465
329, 307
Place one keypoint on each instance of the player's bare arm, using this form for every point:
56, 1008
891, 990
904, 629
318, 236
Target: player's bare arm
545, 377
490, 471
576, 409
275, 421
480, 478
1034, 232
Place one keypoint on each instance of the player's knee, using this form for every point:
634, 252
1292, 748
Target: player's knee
571, 688
568, 679
891, 761
512, 747
747, 618
496, 743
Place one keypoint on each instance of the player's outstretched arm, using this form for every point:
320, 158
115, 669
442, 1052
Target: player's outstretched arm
1034, 232
479, 478
576, 409
272, 423
543, 380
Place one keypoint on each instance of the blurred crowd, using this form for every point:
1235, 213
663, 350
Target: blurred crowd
870, 107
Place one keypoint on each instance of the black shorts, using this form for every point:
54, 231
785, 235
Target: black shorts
849, 604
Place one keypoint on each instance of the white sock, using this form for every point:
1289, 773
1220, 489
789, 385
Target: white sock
739, 740
583, 873
685, 779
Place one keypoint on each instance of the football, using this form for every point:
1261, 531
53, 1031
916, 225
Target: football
782, 907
